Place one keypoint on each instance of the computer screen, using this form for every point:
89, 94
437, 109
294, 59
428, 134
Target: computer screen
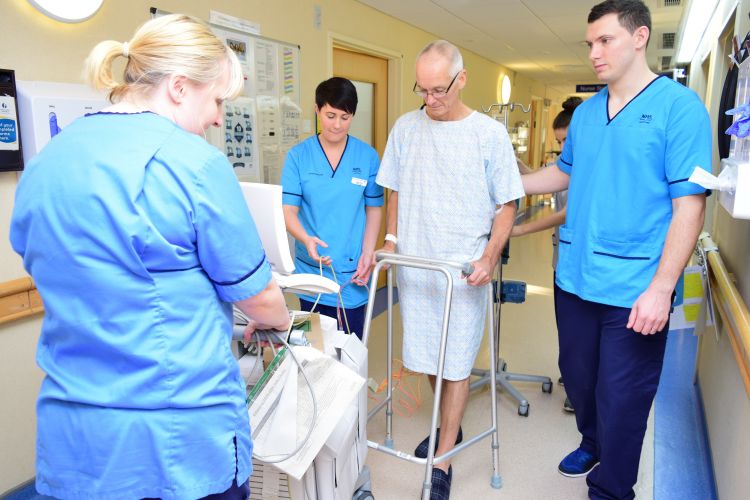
264, 202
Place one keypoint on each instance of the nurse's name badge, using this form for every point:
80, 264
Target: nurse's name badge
359, 182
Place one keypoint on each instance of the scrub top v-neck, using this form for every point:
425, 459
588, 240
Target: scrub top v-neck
625, 171
332, 205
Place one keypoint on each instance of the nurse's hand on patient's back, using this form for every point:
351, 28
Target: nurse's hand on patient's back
312, 250
650, 312
482, 272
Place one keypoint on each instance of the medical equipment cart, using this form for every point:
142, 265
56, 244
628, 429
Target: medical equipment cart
444, 267
338, 470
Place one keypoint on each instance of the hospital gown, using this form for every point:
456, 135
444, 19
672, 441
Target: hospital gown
450, 175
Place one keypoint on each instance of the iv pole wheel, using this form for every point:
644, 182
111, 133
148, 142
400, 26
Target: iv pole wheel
523, 410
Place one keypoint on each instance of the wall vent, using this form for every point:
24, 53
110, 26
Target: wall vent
670, 3
667, 40
666, 61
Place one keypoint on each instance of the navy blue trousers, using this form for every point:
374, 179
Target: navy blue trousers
611, 374
355, 316
235, 492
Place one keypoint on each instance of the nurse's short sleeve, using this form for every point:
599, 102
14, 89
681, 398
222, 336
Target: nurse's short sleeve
688, 139
374, 192
501, 169
290, 179
565, 160
389, 168
229, 247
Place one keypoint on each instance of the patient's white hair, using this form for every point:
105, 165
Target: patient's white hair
448, 51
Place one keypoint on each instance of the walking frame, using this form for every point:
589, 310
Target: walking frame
443, 267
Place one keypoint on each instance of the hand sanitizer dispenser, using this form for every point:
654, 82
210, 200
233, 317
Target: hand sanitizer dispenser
736, 199
46, 108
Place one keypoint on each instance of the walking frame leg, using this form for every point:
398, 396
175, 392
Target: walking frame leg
389, 364
427, 486
495, 481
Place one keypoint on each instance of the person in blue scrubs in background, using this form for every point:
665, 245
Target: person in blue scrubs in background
632, 222
332, 205
136, 233
560, 130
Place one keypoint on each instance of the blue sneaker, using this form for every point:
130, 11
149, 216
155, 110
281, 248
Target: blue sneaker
578, 463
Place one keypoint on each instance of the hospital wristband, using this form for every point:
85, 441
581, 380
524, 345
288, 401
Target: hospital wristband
392, 238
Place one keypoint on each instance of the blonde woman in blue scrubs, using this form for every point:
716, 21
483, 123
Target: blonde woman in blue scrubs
332, 205
139, 240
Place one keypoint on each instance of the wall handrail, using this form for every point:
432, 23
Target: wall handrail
19, 298
731, 307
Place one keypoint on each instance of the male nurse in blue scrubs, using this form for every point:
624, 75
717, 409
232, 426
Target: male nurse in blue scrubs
632, 223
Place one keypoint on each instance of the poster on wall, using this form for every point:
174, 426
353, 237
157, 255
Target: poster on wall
268, 119
289, 72
266, 64
265, 122
242, 46
272, 163
291, 122
240, 145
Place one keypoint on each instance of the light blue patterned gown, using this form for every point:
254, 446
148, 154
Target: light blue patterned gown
450, 175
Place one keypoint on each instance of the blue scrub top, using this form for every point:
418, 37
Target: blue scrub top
138, 238
624, 173
332, 207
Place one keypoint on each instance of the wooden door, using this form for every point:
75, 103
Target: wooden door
368, 73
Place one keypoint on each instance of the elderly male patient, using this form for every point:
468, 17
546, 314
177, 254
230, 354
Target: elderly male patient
454, 180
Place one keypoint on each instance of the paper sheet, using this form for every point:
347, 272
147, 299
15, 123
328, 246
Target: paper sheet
335, 387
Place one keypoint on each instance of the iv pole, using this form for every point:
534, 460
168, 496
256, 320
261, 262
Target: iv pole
510, 107
503, 376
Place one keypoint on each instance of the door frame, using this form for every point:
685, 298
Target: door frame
395, 63
395, 91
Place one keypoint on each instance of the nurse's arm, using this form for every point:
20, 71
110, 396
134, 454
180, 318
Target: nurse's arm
294, 227
545, 180
499, 234
373, 216
266, 310
651, 311
540, 224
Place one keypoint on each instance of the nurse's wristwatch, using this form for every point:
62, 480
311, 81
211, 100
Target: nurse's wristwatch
392, 238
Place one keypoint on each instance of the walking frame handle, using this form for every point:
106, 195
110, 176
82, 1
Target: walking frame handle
467, 268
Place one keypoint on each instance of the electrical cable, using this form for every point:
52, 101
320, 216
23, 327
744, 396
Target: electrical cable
304, 441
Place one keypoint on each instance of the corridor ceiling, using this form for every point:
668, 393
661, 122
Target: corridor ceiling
541, 39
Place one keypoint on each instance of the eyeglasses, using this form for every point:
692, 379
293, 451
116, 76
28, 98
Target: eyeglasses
436, 93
